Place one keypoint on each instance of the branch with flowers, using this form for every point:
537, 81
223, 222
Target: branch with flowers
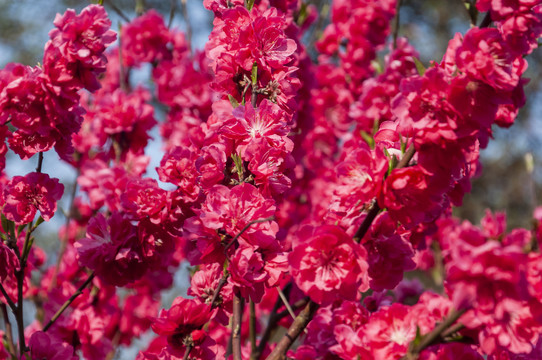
299, 192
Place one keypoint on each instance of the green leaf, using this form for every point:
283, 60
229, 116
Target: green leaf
233, 102
249, 4
302, 15
254, 74
238, 166
418, 339
368, 139
419, 66
38, 222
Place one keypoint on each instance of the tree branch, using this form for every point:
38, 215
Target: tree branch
68, 302
236, 324
299, 324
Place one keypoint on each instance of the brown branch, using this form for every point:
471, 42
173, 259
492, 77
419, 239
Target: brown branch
252, 328
373, 212
397, 23
187, 352
118, 11
236, 324
9, 331
184, 12
64, 243
40, 162
486, 21
11, 304
273, 320
219, 287
299, 324
433, 337
68, 302
245, 228
172, 9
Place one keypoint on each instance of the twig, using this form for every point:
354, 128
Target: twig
64, 243
9, 331
245, 228
299, 324
430, 338
397, 23
40, 162
19, 314
68, 302
118, 11
252, 328
236, 324
172, 9
187, 352
286, 303
273, 320
486, 21
219, 287
11, 304
184, 12
373, 212
298, 304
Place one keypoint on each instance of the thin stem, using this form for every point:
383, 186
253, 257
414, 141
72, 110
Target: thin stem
430, 338
123, 76
397, 23
187, 352
236, 324
172, 9
373, 212
64, 243
68, 302
40, 162
297, 305
11, 304
184, 12
252, 328
9, 331
245, 228
366, 224
286, 303
486, 21
299, 324
273, 320
19, 314
219, 287
118, 11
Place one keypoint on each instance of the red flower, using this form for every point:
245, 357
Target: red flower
327, 264
112, 250
183, 317
74, 55
145, 39
23, 196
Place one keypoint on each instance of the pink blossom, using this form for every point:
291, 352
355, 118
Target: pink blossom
112, 250
74, 56
144, 39
181, 320
485, 56
9, 262
326, 264
23, 196
232, 209
43, 346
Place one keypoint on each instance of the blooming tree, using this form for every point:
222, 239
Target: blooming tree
299, 192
